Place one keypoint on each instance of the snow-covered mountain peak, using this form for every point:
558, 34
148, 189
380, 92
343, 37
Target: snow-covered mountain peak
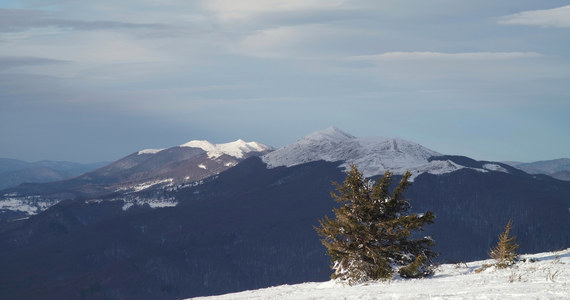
372, 155
236, 149
332, 134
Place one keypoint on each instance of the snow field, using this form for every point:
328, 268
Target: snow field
546, 278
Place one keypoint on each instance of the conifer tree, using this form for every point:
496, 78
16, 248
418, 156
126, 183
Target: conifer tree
505, 252
370, 235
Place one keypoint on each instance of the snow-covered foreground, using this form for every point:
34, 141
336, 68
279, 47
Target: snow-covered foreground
547, 278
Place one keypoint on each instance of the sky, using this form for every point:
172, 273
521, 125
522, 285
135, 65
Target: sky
91, 81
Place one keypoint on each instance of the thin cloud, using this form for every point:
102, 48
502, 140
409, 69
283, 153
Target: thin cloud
275, 42
7, 62
404, 56
555, 17
13, 20
306, 41
230, 10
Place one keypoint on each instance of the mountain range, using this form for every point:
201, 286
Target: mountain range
134, 230
14, 172
557, 168
175, 166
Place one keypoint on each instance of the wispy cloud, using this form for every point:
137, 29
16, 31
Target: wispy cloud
230, 10
18, 61
12, 20
470, 56
279, 42
555, 17
299, 41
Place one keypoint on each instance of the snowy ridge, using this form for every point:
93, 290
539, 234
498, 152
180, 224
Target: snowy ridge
237, 149
149, 151
372, 155
547, 277
495, 167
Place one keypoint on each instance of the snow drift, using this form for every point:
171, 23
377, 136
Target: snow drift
537, 276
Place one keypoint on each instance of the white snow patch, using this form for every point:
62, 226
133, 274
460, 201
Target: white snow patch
158, 204
548, 278
152, 202
96, 201
15, 204
495, 167
436, 167
149, 151
145, 185
236, 149
187, 185
30, 205
127, 205
202, 166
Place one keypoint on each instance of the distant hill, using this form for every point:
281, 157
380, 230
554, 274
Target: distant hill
170, 168
557, 168
14, 172
562, 175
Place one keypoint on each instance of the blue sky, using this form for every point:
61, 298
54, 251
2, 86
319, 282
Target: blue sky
97, 80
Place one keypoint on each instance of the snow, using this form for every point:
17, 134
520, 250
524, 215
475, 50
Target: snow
372, 155
547, 278
30, 205
161, 203
16, 204
495, 167
202, 166
130, 197
236, 149
436, 167
153, 202
145, 185
127, 205
331, 133
149, 151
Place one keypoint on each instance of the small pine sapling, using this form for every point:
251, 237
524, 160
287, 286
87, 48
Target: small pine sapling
504, 253
417, 269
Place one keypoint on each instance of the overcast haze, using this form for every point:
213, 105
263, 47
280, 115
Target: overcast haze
97, 80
